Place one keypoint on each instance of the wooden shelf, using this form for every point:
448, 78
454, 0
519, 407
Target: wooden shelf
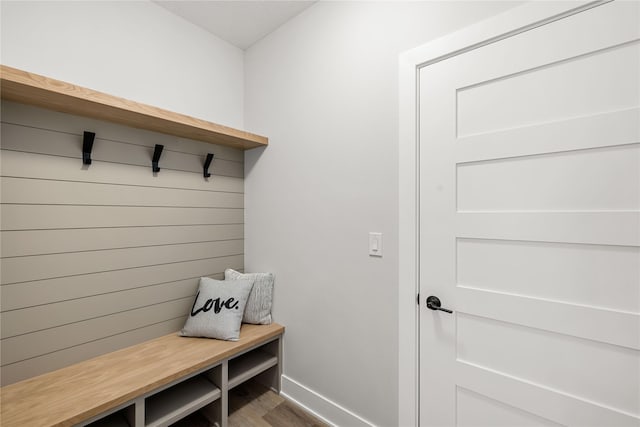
249, 365
178, 401
28, 88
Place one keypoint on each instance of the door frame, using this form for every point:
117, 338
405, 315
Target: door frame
514, 21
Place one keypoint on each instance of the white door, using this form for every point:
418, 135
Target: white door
530, 227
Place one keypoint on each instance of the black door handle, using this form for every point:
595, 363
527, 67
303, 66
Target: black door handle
433, 303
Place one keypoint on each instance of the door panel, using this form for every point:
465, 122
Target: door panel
560, 89
476, 410
562, 408
579, 133
530, 227
608, 326
576, 366
551, 181
560, 272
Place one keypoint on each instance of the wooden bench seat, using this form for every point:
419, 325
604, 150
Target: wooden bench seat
124, 379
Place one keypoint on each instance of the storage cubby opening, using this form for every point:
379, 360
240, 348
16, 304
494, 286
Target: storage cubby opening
117, 419
252, 363
180, 400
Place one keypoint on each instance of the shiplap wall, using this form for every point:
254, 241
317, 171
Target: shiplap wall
96, 258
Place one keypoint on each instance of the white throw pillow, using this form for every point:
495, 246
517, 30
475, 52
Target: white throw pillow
217, 309
258, 308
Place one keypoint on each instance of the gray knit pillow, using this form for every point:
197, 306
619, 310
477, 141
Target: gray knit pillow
217, 309
258, 309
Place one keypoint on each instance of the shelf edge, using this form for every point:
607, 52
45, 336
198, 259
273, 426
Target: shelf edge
34, 89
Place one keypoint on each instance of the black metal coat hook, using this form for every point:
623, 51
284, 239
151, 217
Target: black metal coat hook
157, 152
207, 163
87, 146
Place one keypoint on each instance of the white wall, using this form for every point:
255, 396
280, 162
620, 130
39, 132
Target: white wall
133, 49
323, 87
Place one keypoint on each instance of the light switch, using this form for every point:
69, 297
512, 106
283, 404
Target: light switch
375, 244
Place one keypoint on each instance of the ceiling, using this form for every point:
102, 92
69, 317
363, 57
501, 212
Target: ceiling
241, 23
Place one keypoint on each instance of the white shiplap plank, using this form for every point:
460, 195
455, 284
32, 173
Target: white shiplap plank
39, 267
39, 292
29, 140
24, 321
30, 217
28, 115
40, 242
50, 192
59, 359
23, 347
28, 165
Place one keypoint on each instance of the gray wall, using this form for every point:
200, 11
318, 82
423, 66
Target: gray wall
324, 88
99, 257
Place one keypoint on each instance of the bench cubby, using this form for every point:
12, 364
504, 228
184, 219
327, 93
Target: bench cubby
116, 419
176, 402
166, 405
253, 363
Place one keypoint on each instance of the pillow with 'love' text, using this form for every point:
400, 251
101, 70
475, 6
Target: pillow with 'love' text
217, 309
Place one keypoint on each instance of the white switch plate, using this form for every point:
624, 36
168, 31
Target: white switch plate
375, 244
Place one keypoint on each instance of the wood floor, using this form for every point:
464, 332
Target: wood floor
253, 405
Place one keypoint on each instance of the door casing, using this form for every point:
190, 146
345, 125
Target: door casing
507, 24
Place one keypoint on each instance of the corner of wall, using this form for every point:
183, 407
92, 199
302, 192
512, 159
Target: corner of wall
320, 406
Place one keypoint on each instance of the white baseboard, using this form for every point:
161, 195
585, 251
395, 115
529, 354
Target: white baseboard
323, 408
